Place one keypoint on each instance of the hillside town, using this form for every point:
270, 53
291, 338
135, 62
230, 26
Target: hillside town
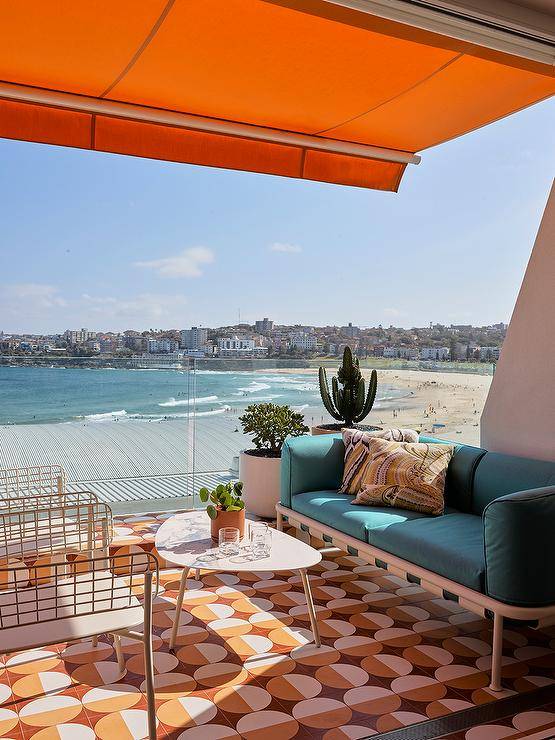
264, 339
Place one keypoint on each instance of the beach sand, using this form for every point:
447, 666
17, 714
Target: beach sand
455, 400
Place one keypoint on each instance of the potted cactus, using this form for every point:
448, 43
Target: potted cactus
348, 402
259, 468
226, 507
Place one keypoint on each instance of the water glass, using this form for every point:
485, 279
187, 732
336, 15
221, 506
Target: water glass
228, 540
261, 539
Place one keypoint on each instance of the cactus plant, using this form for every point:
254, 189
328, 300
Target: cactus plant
348, 401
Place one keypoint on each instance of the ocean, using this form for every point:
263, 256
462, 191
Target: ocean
38, 395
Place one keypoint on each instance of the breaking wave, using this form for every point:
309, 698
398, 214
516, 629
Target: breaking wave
188, 401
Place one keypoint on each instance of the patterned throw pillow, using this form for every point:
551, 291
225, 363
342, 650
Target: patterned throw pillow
356, 452
405, 475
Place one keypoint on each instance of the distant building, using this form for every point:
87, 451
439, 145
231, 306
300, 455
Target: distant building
264, 327
350, 331
489, 354
162, 346
78, 336
435, 353
194, 338
402, 353
136, 342
304, 341
240, 347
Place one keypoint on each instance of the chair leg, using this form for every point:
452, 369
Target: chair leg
497, 653
119, 653
149, 676
95, 641
149, 666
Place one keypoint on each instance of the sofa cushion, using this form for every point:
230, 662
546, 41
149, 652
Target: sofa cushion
460, 474
498, 474
335, 510
405, 475
451, 545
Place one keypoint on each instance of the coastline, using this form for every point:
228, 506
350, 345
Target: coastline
149, 457
429, 398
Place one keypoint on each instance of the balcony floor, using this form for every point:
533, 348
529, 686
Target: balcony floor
393, 655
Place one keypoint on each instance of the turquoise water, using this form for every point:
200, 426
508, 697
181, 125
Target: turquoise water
46, 394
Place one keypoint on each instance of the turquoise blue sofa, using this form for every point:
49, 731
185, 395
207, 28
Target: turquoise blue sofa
494, 547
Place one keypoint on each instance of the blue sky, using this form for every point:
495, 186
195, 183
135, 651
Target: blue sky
111, 242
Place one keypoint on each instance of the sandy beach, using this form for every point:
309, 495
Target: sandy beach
429, 399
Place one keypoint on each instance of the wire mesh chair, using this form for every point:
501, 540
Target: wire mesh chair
33, 480
56, 572
47, 524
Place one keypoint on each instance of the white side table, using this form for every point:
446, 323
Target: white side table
185, 540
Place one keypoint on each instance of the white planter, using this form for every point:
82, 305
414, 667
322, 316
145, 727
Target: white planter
261, 483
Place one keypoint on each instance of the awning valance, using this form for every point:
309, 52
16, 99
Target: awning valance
302, 89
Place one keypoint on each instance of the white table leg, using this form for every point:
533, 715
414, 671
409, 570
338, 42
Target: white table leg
310, 605
182, 589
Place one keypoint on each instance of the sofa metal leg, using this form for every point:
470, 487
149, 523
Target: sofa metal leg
497, 653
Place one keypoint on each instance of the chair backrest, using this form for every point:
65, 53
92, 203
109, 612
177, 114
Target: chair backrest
49, 524
93, 585
32, 480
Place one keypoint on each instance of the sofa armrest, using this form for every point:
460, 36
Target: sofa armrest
311, 464
519, 546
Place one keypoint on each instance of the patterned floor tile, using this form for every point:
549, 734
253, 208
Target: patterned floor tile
245, 663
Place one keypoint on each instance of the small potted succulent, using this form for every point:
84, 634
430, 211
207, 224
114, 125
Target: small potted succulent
348, 402
259, 468
226, 507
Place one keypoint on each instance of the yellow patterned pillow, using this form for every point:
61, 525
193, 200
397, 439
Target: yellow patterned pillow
407, 475
357, 451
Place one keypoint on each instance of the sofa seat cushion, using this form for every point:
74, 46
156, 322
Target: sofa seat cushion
335, 510
451, 545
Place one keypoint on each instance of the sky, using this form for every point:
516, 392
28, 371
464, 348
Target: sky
110, 242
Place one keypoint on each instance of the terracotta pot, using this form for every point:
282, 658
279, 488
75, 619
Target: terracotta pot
234, 519
323, 429
320, 430
261, 483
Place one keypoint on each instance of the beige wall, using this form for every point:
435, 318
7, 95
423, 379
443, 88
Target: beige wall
519, 415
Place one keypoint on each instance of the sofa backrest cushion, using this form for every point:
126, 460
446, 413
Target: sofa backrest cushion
498, 474
460, 474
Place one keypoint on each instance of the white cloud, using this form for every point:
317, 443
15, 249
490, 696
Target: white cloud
285, 248
142, 310
27, 304
38, 308
187, 264
393, 312
39, 295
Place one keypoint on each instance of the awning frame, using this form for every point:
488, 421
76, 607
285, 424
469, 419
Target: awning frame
176, 119
442, 18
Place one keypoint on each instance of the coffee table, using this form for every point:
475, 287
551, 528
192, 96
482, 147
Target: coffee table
184, 540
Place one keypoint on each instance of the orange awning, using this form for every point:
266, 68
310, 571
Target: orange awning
303, 89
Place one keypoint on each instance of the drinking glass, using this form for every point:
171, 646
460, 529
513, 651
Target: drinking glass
261, 539
228, 540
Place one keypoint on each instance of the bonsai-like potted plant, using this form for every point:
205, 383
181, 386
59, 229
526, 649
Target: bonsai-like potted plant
259, 468
226, 507
348, 403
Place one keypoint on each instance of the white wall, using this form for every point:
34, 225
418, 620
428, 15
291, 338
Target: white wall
519, 415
